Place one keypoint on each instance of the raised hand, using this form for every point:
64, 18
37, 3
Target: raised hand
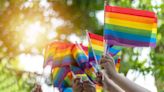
88, 86
107, 63
77, 85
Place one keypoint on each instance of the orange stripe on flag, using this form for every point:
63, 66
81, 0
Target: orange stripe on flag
130, 18
96, 42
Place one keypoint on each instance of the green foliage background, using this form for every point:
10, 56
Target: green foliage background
81, 16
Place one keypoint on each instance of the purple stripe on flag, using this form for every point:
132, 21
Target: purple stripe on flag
112, 54
87, 65
91, 59
125, 42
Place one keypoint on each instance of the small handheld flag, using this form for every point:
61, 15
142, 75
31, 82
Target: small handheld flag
115, 52
95, 46
130, 27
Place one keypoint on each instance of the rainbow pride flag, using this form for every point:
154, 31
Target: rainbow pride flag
63, 76
63, 56
66, 57
130, 27
95, 47
59, 75
117, 59
48, 56
85, 48
58, 54
68, 80
115, 52
99, 88
118, 64
76, 69
82, 61
79, 55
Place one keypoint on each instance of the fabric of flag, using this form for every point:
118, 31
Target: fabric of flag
67, 82
83, 77
76, 69
67, 57
117, 59
99, 88
130, 27
79, 55
117, 65
63, 56
59, 74
68, 89
82, 60
58, 54
96, 47
115, 52
92, 58
48, 55
85, 48
91, 73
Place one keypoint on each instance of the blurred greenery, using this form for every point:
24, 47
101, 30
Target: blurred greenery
78, 16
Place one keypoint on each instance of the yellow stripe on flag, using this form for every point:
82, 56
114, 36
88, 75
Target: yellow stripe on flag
149, 27
97, 47
117, 66
99, 88
76, 51
62, 54
55, 71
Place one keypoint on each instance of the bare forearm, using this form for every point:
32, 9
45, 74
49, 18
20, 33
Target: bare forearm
127, 84
110, 85
107, 63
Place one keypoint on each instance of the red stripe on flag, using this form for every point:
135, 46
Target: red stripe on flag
130, 11
94, 36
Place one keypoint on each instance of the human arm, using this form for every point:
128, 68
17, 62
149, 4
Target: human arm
77, 85
107, 63
88, 86
108, 84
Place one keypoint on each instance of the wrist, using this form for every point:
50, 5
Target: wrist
114, 75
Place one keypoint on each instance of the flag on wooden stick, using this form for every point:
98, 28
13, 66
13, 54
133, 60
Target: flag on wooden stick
82, 60
130, 27
95, 46
95, 49
115, 52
